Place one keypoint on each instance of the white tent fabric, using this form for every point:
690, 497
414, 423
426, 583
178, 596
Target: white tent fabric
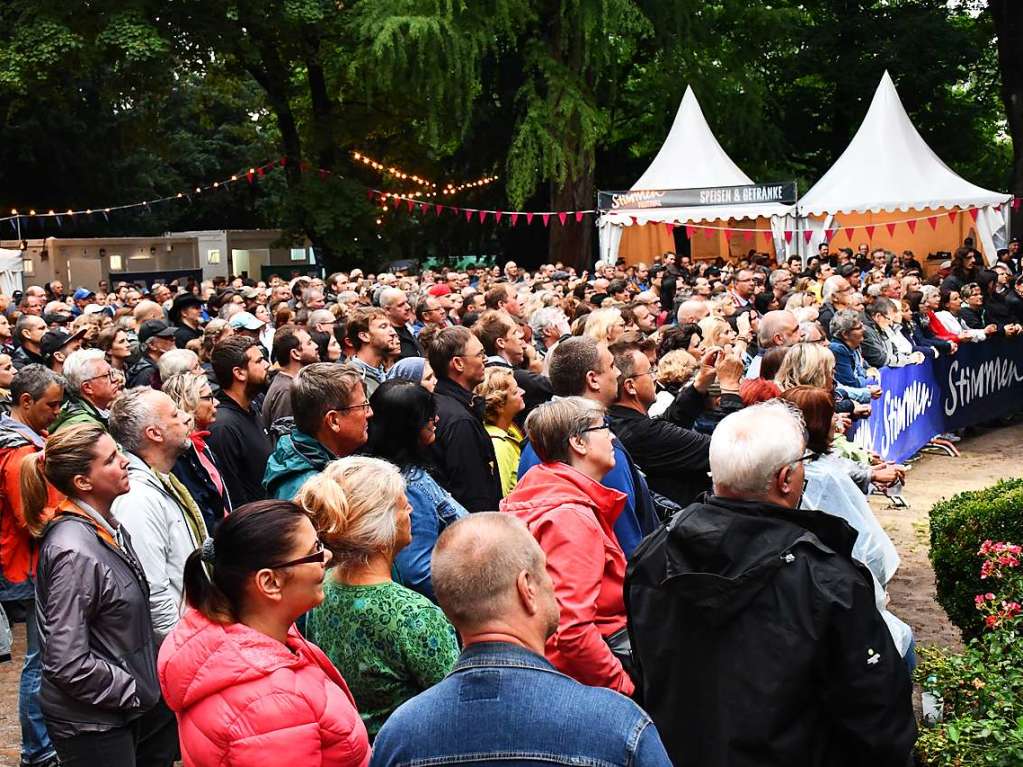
690, 157
889, 167
11, 267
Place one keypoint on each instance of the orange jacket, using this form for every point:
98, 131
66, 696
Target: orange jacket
18, 551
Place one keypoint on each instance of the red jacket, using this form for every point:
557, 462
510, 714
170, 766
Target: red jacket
572, 518
243, 698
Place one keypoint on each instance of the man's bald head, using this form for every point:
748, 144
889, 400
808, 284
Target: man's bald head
691, 312
778, 328
147, 310
476, 565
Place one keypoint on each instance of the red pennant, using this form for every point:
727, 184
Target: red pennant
562, 217
635, 221
546, 218
891, 229
708, 233
468, 215
952, 215
1016, 202
529, 217
409, 204
421, 206
747, 234
514, 218
250, 175
998, 208
933, 221
870, 231
807, 236
974, 212
767, 235
912, 225
483, 216
579, 216
437, 209
670, 229
849, 232
262, 172
829, 234
370, 193
283, 161
689, 231
788, 236
497, 216
728, 235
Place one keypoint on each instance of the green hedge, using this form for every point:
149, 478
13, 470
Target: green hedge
959, 526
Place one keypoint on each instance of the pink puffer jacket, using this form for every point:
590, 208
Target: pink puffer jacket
243, 698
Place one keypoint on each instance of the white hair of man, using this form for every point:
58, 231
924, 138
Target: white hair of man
749, 447
779, 275
81, 366
691, 312
836, 283
774, 323
547, 317
131, 414
390, 296
177, 361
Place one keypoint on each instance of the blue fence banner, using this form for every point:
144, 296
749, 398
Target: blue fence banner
981, 382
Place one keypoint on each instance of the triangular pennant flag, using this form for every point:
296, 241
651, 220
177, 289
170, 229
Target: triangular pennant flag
635, 221
262, 172
912, 225
998, 208
370, 193
849, 232
497, 215
788, 236
807, 236
891, 228
952, 215
708, 232
483, 216
438, 209
409, 204
468, 215
529, 217
283, 161
767, 235
728, 235
829, 235
563, 217
250, 175
422, 206
870, 231
579, 216
546, 218
933, 221
514, 218
974, 212
747, 234
670, 229
689, 231
1016, 202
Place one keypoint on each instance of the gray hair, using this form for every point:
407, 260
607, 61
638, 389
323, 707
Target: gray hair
389, 296
177, 361
750, 446
771, 324
874, 291
130, 415
927, 292
832, 285
320, 316
81, 366
547, 317
476, 563
778, 275
319, 388
552, 424
844, 321
34, 380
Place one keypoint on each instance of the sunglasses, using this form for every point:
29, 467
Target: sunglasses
318, 557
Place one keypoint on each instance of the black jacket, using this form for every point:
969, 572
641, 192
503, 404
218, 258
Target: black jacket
537, 388
824, 317
242, 448
193, 475
674, 459
463, 452
142, 373
22, 356
409, 343
1000, 310
874, 349
759, 642
183, 334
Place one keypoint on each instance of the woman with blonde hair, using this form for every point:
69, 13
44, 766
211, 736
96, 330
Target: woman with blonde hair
504, 401
100, 693
807, 364
605, 325
674, 370
392, 642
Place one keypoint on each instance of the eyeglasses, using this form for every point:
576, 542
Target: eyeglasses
110, 375
605, 425
481, 354
319, 556
362, 406
206, 397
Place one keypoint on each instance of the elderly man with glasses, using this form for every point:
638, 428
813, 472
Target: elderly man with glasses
92, 385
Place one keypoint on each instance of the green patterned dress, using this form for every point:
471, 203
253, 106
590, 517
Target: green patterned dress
388, 642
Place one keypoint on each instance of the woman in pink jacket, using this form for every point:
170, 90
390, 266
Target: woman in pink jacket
247, 688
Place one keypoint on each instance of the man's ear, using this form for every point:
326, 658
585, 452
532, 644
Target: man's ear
527, 590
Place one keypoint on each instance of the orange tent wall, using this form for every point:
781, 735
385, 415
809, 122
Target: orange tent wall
642, 242
945, 236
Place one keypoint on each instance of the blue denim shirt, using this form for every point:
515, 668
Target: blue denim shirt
504, 706
433, 509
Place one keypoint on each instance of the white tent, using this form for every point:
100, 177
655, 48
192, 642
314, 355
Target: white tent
690, 158
888, 175
11, 266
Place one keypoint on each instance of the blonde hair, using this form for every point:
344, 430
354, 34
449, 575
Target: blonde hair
184, 389
676, 367
718, 304
600, 321
497, 386
712, 329
806, 364
352, 506
68, 454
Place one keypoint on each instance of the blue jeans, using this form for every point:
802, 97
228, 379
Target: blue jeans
35, 740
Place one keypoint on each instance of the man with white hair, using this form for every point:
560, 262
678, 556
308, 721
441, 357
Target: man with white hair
163, 520
835, 296
777, 328
692, 311
755, 581
399, 313
91, 387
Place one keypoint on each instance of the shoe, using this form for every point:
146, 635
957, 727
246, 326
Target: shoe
949, 437
50, 761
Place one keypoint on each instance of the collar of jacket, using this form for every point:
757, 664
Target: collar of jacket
227, 401
311, 449
548, 485
500, 655
620, 411
67, 507
512, 434
14, 433
472, 403
497, 361
377, 374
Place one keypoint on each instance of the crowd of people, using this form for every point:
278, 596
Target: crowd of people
464, 517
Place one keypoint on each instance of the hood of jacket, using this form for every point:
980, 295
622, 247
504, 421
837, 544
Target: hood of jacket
16, 434
202, 658
719, 553
548, 486
296, 453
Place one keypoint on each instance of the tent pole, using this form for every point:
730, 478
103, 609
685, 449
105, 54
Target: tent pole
799, 234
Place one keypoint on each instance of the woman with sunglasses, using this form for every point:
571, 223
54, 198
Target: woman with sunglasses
572, 515
392, 642
247, 688
198, 468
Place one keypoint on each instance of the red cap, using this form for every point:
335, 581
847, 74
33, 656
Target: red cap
439, 290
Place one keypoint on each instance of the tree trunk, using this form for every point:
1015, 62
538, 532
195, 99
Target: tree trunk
572, 243
1008, 18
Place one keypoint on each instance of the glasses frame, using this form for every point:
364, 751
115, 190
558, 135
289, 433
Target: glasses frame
318, 557
362, 406
605, 425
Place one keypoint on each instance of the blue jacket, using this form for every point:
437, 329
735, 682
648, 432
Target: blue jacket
503, 705
850, 372
638, 519
433, 509
296, 458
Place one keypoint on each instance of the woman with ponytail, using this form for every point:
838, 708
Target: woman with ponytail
392, 642
247, 688
99, 693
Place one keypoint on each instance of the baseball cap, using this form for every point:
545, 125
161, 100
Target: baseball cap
155, 329
54, 340
248, 293
82, 293
245, 321
440, 289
